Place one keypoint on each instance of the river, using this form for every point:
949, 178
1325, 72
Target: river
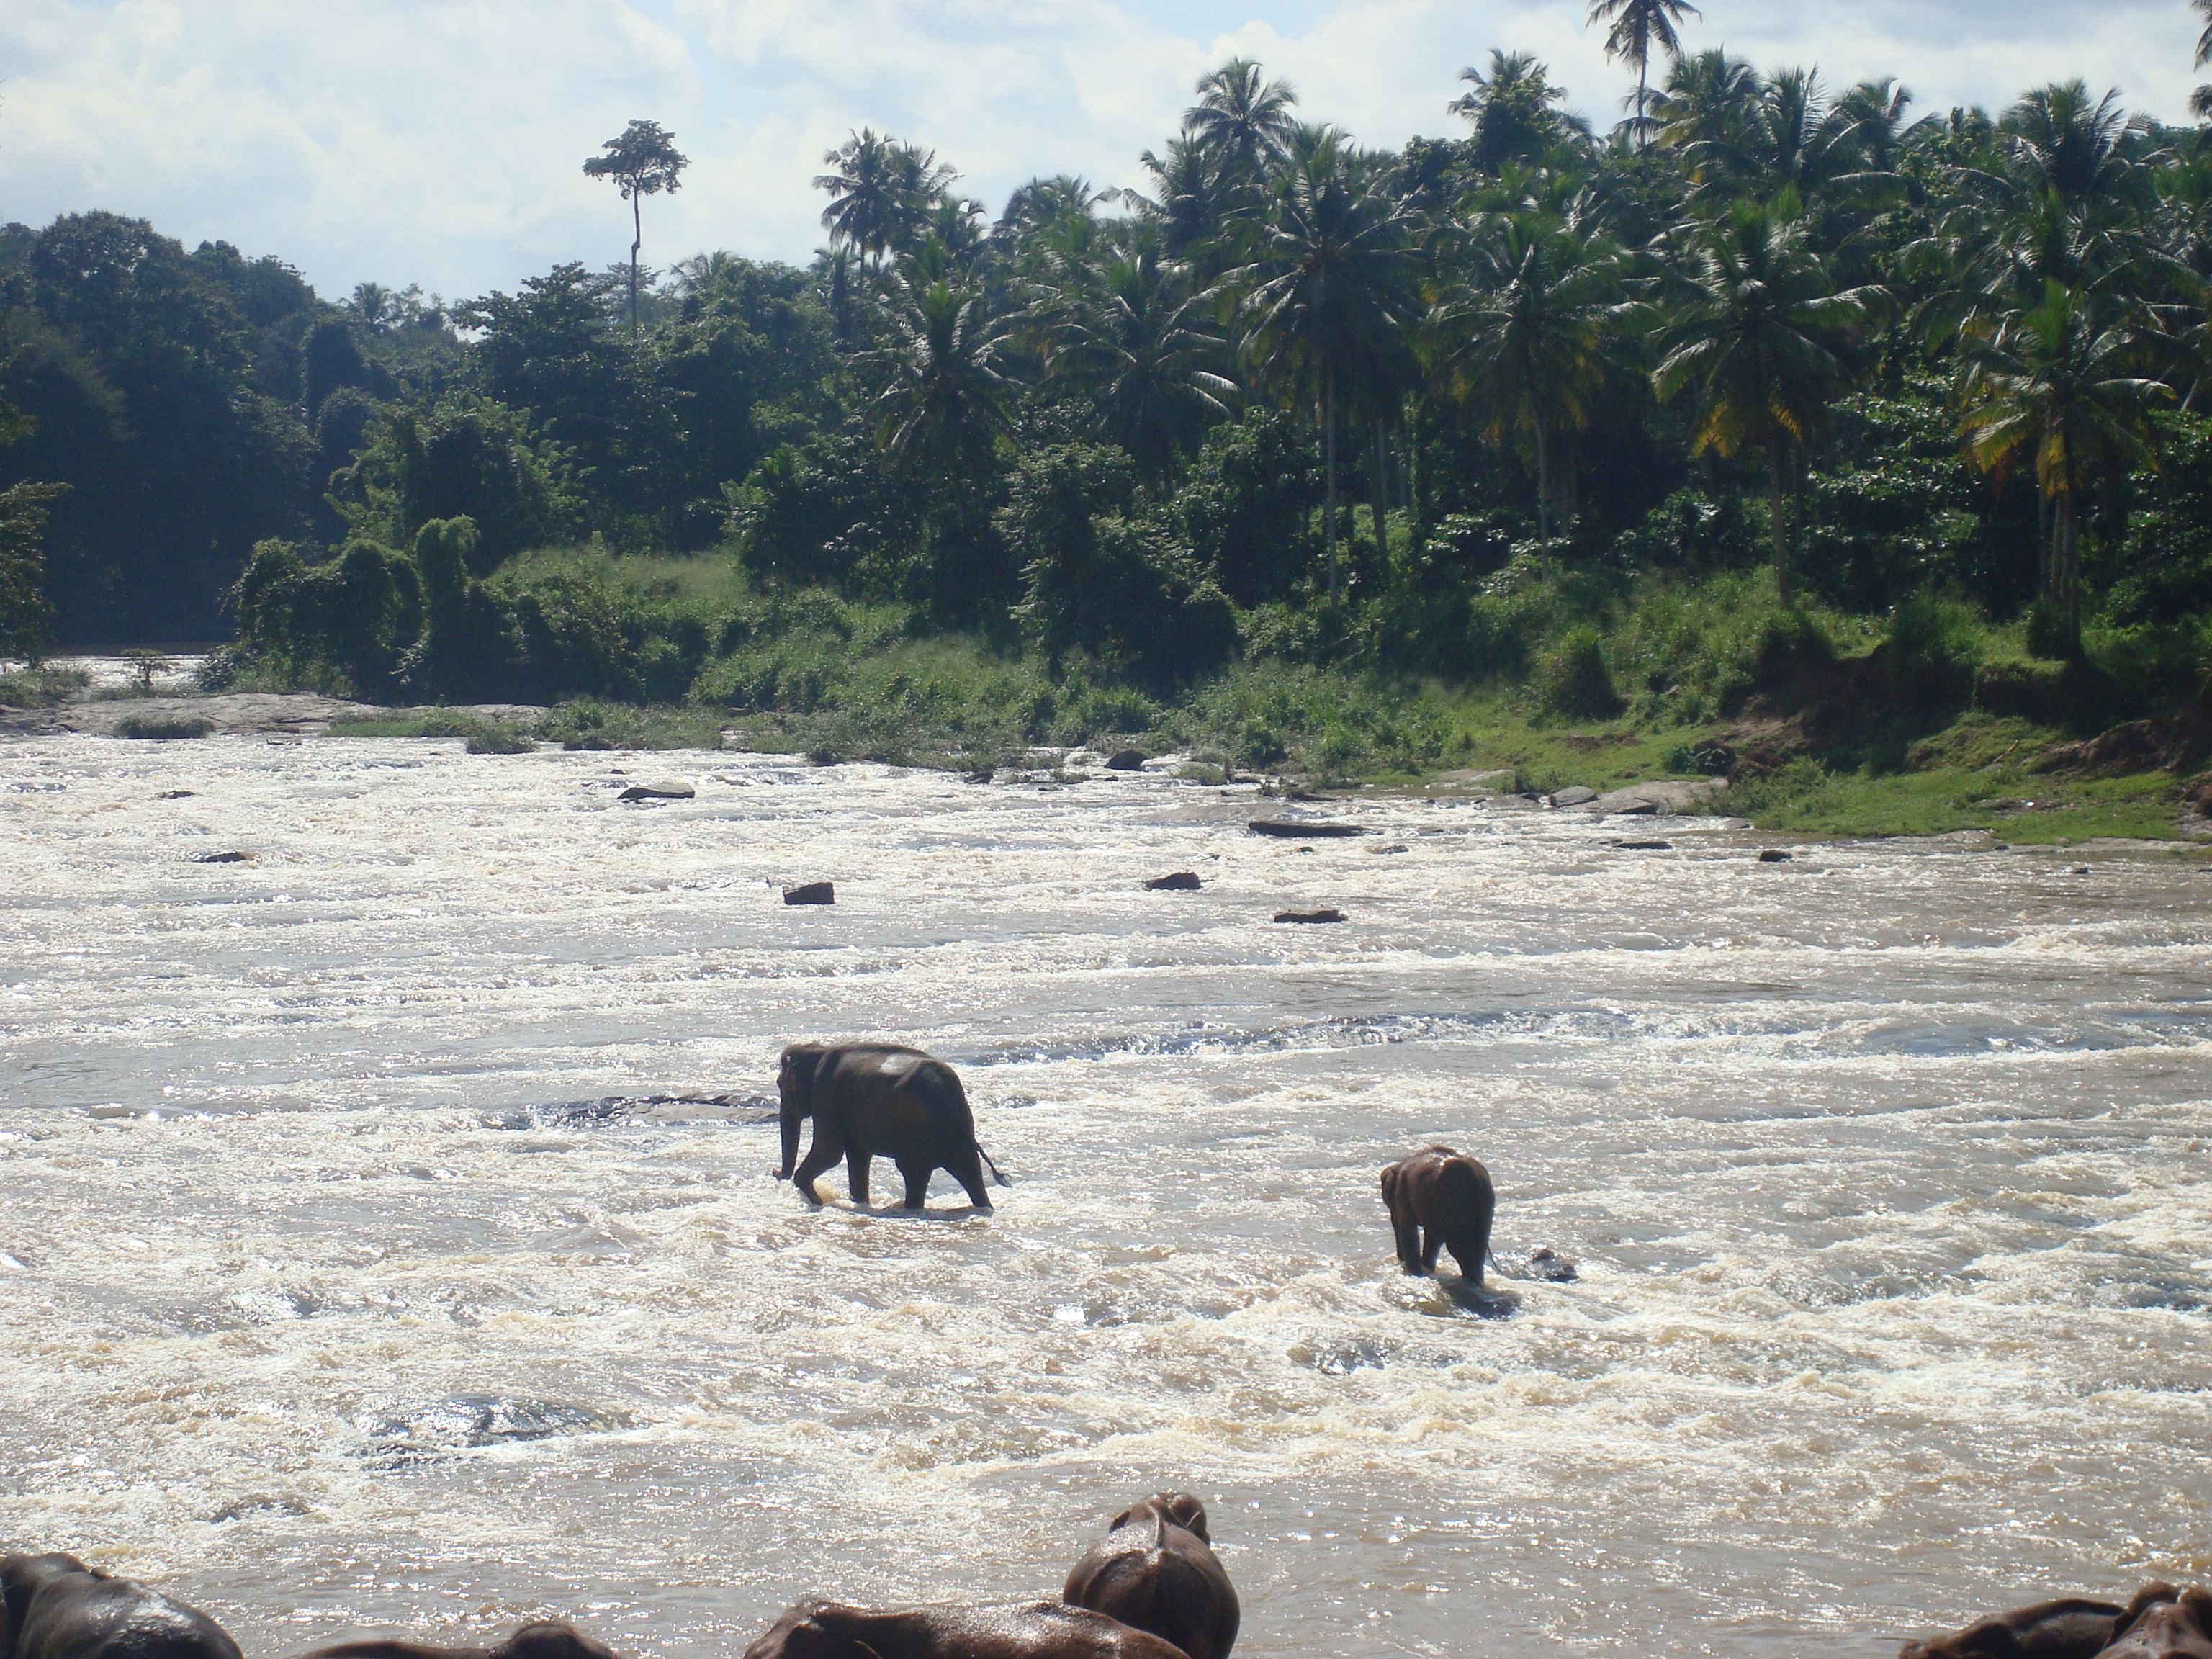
388, 1240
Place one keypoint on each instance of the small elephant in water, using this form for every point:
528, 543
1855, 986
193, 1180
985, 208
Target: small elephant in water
867, 1098
1009, 1630
1156, 1570
1448, 1197
54, 1607
541, 1639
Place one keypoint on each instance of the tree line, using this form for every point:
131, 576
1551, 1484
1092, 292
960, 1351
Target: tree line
1290, 395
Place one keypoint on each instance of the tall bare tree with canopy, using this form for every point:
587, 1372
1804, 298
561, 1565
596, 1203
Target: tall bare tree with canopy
1634, 26
644, 161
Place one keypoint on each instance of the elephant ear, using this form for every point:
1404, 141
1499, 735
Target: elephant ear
794, 1080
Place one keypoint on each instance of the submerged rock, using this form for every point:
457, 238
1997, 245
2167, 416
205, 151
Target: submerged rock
1183, 881
1304, 828
223, 857
1773, 856
812, 892
670, 790
1309, 915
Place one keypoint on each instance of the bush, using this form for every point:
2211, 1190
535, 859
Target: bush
163, 727
1577, 681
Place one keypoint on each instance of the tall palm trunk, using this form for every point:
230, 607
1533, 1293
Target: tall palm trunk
1543, 484
2066, 570
1378, 497
1778, 515
1328, 465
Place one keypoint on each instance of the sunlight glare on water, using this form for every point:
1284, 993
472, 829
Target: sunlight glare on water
363, 1267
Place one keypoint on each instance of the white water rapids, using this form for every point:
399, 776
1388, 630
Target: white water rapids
352, 1279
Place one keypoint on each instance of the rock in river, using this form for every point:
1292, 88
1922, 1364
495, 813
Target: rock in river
812, 892
1309, 915
1183, 881
670, 790
1126, 760
1302, 827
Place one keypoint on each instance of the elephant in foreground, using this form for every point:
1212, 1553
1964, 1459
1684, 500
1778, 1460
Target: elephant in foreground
867, 1098
1156, 1570
947, 1630
541, 1639
1446, 1197
2073, 1627
2171, 1626
54, 1607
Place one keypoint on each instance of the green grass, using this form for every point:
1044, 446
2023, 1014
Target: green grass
42, 688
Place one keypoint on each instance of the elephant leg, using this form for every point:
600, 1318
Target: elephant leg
966, 1167
917, 1182
1430, 1245
824, 1152
1408, 1232
857, 1159
1467, 1250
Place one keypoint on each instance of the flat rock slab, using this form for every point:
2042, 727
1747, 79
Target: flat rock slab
1313, 829
670, 789
1183, 881
812, 892
1661, 795
1576, 796
1309, 915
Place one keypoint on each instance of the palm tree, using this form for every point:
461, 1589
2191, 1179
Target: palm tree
1708, 112
941, 399
880, 192
2200, 102
2057, 383
1325, 305
1523, 340
1751, 328
1510, 109
1241, 122
1636, 26
1135, 338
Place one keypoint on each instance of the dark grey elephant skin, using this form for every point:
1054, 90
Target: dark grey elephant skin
54, 1607
542, 1638
1006, 1629
2164, 1626
1156, 1570
1437, 1198
878, 1099
2073, 1627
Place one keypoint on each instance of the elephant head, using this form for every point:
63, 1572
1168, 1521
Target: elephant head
795, 1084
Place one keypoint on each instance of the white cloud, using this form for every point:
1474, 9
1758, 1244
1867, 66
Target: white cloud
406, 140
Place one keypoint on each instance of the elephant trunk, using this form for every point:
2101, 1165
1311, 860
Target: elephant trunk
792, 1117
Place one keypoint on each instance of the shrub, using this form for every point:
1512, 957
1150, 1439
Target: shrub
1577, 681
165, 727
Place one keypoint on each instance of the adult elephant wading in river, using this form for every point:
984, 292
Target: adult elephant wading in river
1010, 1629
867, 1098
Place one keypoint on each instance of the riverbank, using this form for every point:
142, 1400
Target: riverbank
2011, 777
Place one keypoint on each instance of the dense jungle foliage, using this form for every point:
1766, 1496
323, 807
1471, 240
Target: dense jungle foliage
1772, 391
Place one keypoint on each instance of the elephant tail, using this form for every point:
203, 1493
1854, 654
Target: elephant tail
997, 1174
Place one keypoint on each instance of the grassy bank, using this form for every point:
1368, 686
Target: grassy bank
1926, 718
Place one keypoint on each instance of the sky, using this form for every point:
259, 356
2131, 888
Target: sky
441, 142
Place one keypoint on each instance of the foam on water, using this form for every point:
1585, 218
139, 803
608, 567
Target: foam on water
389, 1239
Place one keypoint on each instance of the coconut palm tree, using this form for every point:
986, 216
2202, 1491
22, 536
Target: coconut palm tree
2060, 384
1752, 326
1325, 305
1135, 338
2200, 102
1511, 108
881, 192
1633, 27
1522, 340
1241, 122
942, 400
